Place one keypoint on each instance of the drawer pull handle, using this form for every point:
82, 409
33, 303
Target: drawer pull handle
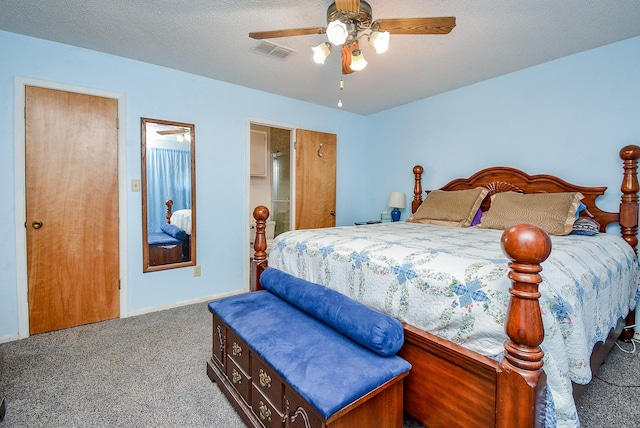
220, 338
237, 350
265, 413
265, 379
236, 378
299, 412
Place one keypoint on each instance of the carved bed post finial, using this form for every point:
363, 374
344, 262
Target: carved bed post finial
417, 188
520, 375
169, 204
259, 262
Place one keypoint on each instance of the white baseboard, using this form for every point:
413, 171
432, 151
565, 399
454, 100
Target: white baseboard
9, 338
184, 303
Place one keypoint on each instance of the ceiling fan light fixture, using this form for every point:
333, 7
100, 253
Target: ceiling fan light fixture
337, 32
358, 62
379, 40
321, 52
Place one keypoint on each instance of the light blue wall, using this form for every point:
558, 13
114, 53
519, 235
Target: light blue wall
568, 117
220, 112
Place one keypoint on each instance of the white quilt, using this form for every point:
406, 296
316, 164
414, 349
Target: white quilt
453, 282
182, 219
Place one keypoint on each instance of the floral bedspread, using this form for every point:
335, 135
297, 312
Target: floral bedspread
453, 282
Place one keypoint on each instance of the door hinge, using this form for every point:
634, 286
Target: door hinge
295, 145
117, 123
118, 284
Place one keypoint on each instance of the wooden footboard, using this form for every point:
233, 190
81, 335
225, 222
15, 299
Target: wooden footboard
451, 386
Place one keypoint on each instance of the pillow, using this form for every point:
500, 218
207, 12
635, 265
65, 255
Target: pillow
374, 330
450, 208
174, 231
552, 212
585, 226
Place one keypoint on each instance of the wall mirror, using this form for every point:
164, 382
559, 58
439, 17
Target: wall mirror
168, 195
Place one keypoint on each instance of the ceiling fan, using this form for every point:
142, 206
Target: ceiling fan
173, 131
350, 20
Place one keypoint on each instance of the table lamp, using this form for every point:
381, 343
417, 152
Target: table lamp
396, 201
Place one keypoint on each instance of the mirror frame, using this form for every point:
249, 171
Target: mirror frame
146, 267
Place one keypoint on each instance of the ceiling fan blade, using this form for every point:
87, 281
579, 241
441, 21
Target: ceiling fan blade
173, 131
348, 5
287, 33
441, 25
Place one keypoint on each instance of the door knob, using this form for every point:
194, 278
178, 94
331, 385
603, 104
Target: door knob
36, 224
333, 213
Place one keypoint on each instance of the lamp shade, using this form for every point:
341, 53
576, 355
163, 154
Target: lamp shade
337, 32
321, 52
357, 61
380, 41
396, 200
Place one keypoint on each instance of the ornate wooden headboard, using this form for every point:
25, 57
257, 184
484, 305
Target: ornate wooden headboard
505, 179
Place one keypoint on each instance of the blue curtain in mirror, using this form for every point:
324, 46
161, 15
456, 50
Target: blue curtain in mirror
168, 177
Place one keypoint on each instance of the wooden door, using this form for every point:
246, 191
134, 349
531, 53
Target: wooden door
71, 144
315, 179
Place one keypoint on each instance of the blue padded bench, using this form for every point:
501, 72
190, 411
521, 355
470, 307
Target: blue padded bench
300, 355
166, 246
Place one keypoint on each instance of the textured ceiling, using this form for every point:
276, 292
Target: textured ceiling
210, 38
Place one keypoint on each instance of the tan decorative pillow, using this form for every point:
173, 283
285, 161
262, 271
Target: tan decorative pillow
450, 208
552, 212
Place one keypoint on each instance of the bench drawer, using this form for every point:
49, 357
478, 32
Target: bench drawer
239, 379
268, 414
237, 350
267, 381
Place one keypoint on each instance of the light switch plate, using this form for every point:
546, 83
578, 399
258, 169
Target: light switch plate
135, 185
197, 270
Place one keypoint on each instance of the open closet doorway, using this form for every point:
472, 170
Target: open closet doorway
271, 184
293, 173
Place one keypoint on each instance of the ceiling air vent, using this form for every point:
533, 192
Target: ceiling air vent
273, 50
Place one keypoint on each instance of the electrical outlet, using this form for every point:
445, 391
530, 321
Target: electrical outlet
636, 335
197, 270
135, 185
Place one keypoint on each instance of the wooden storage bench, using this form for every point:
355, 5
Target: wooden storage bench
318, 359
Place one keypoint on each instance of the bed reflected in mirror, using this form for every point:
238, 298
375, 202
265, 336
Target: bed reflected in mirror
168, 195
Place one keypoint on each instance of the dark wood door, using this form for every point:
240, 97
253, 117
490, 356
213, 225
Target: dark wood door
71, 208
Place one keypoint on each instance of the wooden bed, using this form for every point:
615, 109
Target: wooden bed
186, 246
510, 392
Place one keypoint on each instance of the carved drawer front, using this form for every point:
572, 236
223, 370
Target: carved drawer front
299, 412
237, 350
219, 338
267, 381
239, 379
269, 415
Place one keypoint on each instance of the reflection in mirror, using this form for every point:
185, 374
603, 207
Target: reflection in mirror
168, 195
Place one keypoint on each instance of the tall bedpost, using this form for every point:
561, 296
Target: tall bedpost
520, 376
629, 213
259, 261
629, 200
169, 204
417, 188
